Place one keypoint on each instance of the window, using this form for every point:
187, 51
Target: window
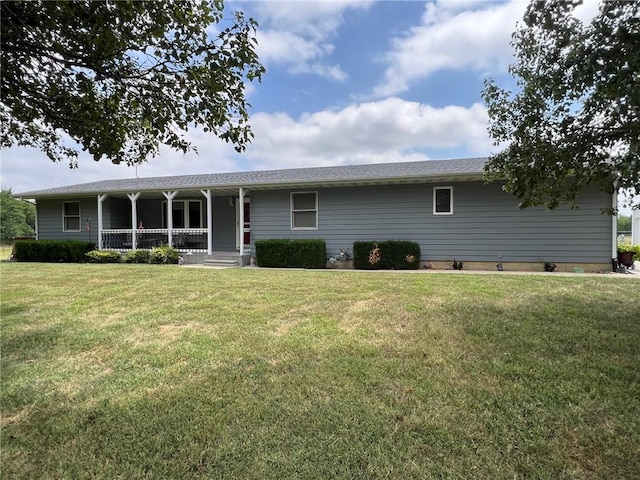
304, 210
71, 216
443, 200
185, 213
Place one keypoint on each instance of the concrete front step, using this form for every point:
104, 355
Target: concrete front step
221, 262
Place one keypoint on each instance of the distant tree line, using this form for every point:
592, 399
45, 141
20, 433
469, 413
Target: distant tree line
17, 217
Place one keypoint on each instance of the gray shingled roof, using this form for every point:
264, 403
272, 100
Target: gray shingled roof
371, 173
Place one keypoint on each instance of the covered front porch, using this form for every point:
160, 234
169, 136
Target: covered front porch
194, 222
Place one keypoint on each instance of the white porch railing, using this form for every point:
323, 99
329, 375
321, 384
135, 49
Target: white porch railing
183, 239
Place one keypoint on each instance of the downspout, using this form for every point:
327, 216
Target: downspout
37, 225
37, 229
614, 230
241, 206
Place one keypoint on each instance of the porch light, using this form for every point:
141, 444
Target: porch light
231, 201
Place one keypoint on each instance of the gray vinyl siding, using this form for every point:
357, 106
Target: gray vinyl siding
486, 224
50, 219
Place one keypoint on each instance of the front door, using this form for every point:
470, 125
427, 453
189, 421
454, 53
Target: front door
246, 228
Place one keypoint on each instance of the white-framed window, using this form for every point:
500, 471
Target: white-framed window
186, 214
70, 216
442, 200
304, 210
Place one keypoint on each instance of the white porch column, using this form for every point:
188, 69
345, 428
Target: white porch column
101, 198
170, 196
134, 218
241, 200
635, 226
207, 194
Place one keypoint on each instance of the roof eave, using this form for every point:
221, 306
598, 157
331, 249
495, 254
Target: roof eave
355, 181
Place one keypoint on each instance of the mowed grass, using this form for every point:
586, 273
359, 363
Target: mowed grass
134, 371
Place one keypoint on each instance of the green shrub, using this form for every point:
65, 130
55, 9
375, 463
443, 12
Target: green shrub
364, 254
136, 256
400, 255
163, 254
299, 253
389, 255
103, 256
60, 251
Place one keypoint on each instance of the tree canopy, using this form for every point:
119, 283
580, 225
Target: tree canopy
574, 119
122, 78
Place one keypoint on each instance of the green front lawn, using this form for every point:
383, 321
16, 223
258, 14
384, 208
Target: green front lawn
139, 371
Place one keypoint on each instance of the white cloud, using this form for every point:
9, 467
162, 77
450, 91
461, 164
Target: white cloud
299, 54
313, 19
457, 35
282, 47
298, 34
389, 130
452, 37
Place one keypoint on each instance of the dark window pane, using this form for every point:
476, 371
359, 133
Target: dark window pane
178, 214
72, 223
72, 208
194, 215
443, 200
304, 220
304, 201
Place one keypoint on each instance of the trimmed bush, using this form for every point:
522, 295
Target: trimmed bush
163, 254
388, 255
364, 255
400, 255
103, 256
136, 256
299, 253
59, 251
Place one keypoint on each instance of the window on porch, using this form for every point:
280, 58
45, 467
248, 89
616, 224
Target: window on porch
186, 214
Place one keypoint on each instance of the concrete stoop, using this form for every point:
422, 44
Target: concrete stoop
225, 260
221, 262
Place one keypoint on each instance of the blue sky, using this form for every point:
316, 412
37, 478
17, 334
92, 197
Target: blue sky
348, 81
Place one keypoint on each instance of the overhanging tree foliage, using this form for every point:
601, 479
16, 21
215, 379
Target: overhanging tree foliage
575, 118
122, 78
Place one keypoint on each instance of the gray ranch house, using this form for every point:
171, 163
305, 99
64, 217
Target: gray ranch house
443, 205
